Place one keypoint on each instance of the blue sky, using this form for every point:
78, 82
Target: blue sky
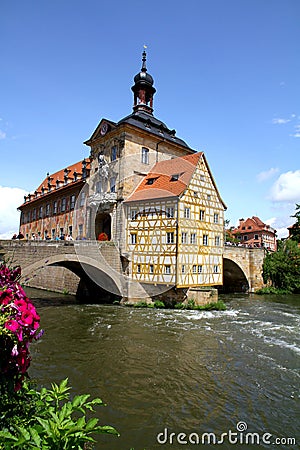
227, 78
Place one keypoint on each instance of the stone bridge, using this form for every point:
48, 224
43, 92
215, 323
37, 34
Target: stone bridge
242, 267
71, 267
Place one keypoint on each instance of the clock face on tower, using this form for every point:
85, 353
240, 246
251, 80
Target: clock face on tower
104, 128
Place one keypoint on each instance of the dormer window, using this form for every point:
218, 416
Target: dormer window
57, 184
66, 172
43, 190
75, 175
151, 180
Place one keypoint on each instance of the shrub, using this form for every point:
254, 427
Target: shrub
56, 422
213, 306
273, 290
159, 304
141, 304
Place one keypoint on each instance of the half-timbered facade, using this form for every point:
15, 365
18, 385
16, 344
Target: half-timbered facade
175, 221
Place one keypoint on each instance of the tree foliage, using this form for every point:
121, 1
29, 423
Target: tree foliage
282, 268
296, 227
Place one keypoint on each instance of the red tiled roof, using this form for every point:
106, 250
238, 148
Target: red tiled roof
255, 223
182, 167
59, 176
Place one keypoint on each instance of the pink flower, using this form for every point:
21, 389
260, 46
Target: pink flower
6, 296
27, 318
12, 325
21, 305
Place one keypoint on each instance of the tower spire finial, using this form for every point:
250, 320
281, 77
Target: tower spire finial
143, 88
144, 68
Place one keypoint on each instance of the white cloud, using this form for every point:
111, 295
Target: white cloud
271, 221
10, 199
277, 224
267, 174
287, 187
280, 121
280, 224
297, 131
2, 135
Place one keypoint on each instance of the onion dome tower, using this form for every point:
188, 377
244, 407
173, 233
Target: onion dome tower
143, 89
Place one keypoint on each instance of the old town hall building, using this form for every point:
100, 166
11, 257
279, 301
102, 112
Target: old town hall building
142, 188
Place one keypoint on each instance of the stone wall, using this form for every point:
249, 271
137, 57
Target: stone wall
250, 261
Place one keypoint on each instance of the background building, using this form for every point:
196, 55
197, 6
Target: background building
255, 233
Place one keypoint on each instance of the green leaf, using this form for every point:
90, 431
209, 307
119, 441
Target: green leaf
106, 429
91, 424
35, 436
79, 400
45, 424
7, 435
81, 422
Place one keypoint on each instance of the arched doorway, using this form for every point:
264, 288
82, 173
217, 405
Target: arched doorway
103, 225
234, 279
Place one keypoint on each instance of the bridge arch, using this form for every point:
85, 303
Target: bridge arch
109, 282
234, 277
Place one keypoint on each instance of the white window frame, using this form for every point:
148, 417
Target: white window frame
183, 237
133, 214
193, 238
170, 212
63, 204
170, 237
82, 199
187, 213
133, 238
145, 155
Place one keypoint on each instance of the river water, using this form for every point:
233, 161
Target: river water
191, 372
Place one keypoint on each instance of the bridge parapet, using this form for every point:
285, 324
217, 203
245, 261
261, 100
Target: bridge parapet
55, 265
41, 254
